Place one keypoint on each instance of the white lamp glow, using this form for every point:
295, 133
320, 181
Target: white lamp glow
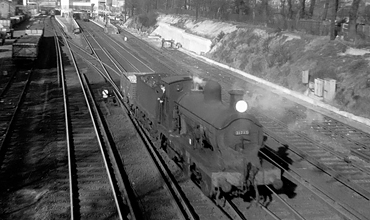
241, 106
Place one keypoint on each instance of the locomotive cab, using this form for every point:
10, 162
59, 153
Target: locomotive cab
170, 89
227, 135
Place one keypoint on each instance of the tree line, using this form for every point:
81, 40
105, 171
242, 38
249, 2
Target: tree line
265, 10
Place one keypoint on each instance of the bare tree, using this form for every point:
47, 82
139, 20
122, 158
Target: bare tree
265, 10
239, 7
334, 9
312, 7
303, 9
353, 19
326, 7
197, 9
253, 4
290, 9
167, 4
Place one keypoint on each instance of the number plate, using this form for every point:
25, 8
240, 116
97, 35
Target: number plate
243, 132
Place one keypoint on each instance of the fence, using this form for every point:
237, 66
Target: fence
314, 27
363, 30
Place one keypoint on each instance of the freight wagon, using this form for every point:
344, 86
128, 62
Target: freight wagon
26, 47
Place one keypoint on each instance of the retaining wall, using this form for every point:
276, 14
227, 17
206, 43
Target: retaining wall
188, 41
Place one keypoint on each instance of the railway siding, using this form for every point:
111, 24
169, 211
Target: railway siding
29, 172
315, 171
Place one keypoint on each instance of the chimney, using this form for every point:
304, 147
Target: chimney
235, 95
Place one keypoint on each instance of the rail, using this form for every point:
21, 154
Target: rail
12, 111
60, 72
97, 126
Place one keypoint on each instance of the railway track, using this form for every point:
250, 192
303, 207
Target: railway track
26, 137
348, 178
97, 189
6, 78
11, 100
354, 139
13, 85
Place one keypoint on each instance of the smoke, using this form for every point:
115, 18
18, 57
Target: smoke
270, 104
312, 116
277, 107
304, 124
198, 83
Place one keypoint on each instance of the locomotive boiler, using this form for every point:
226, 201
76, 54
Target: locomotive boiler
216, 144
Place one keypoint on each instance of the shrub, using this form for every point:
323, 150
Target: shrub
279, 56
146, 20
253, 39
257, 67
266, 44
217, 39
358, 65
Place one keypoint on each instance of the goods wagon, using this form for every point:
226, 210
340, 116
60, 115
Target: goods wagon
26, 47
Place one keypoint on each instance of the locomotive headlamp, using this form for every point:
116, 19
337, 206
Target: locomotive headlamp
241, 106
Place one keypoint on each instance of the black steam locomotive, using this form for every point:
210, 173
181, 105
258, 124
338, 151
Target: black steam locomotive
214, 143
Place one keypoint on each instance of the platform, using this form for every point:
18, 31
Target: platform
69, 24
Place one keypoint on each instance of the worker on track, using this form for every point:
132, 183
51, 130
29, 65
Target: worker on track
105, 94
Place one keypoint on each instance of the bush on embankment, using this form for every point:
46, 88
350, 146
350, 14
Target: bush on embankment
281, 57
143, 22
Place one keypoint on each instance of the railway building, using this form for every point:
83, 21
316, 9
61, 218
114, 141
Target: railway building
7, 9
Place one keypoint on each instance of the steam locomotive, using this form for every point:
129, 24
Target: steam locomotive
217, 145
